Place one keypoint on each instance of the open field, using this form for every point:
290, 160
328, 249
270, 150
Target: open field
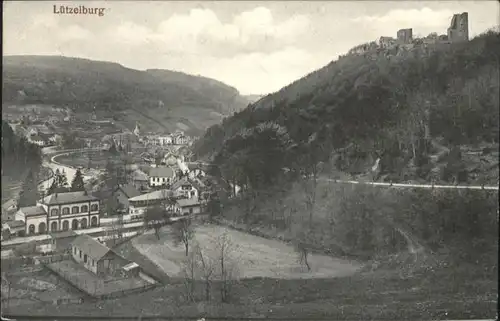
254, 256
34, 285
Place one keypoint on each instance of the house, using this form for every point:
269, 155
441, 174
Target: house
38, 140
60, 212
196, 171
139, 204
13, 228
188, 206
140, 180
123, 193
161, 176
185, 188
181, 139
96, 257
9, 209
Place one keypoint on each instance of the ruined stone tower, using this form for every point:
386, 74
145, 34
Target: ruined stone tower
405, 36
459, 28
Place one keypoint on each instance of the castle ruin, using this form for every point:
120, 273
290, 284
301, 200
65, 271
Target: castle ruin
405, 36
459, 28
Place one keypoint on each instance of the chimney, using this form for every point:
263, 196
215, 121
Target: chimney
55, 195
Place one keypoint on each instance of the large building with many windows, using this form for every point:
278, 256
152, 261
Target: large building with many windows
60, 212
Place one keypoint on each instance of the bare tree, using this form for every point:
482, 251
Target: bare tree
183, 232
226, 264
191, 270
303, 248
207, 268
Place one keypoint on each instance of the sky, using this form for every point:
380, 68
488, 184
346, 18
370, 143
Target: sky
256, 47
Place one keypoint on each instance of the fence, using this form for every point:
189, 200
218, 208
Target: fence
121, 293
15, 263
52, 258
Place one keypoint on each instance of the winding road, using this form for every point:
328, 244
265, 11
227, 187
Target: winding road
49, 162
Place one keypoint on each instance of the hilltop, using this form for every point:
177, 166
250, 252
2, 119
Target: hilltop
424, 115
409, 108
155, 98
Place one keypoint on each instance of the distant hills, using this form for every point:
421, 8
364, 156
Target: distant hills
158, 99
253, 98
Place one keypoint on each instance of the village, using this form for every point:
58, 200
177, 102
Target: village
72, 233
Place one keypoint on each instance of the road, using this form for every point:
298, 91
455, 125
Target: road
398, 185
54, 165
36, 238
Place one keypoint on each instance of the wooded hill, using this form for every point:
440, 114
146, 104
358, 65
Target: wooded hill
415, 110
408, 108
80, 84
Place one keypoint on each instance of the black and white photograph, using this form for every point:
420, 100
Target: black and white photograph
250, 160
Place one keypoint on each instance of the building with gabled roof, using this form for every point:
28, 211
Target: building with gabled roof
60, 212
185, 188
161, 176
138, 205
123, 193
189, 206
95, 256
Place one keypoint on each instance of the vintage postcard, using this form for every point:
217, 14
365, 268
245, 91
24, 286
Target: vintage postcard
247, 160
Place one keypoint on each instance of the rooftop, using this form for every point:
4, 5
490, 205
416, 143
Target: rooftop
161, 172
185, 202
156, 195
32, 210
181, 182
68, 197
14, 224
91, 247
129, 190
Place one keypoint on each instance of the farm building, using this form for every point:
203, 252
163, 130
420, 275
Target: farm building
96, 257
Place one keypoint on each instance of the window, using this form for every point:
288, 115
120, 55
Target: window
54, 212
85, 258
65, 210
94, 208
80, 253
84, 209
75, 210
191, 210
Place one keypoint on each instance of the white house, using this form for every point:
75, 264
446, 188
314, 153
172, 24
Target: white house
185, 188
161, 176
38, 140
139, 204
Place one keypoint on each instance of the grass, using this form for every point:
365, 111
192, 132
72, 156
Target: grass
128, 251
253, 256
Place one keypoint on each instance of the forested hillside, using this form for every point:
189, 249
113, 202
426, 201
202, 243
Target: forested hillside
81, 84
408, 109
21, 162
420, 111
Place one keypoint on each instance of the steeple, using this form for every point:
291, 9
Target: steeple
136, 129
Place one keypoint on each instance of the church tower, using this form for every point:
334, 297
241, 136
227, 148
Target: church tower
136, 130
